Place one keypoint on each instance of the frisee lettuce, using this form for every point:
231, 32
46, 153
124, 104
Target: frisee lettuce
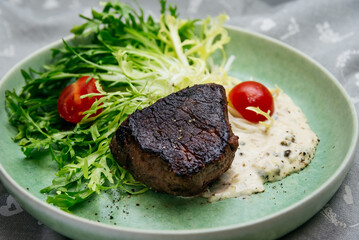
267, 115
137, 61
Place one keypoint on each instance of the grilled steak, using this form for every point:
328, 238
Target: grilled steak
179, 144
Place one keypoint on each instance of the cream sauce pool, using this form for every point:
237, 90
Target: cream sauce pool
265, 156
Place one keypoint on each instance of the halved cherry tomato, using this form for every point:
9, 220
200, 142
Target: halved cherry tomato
251, 94
71, 106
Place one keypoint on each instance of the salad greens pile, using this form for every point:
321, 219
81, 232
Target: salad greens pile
136, 61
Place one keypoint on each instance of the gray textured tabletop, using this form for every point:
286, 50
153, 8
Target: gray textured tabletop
327, 31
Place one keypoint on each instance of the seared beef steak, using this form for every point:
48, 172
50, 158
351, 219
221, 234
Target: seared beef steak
179, 144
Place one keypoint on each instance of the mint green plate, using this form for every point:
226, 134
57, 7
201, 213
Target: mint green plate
281, 208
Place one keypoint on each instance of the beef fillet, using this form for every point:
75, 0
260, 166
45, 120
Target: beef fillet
179, 144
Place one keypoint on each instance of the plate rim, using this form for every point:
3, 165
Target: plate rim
336, 179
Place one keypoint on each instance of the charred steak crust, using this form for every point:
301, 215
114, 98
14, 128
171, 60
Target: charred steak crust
179, 144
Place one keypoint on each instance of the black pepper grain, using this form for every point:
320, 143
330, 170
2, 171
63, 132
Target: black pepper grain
287, 153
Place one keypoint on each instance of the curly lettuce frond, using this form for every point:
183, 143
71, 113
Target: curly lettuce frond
265, 114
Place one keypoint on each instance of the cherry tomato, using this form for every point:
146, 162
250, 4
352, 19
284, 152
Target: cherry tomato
71, 106
251, 94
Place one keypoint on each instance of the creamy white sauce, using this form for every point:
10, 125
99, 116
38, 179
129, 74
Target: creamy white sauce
265, 156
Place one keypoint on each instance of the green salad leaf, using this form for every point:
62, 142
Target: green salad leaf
137, 61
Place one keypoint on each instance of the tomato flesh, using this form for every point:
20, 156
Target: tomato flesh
251, 94
71, 106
